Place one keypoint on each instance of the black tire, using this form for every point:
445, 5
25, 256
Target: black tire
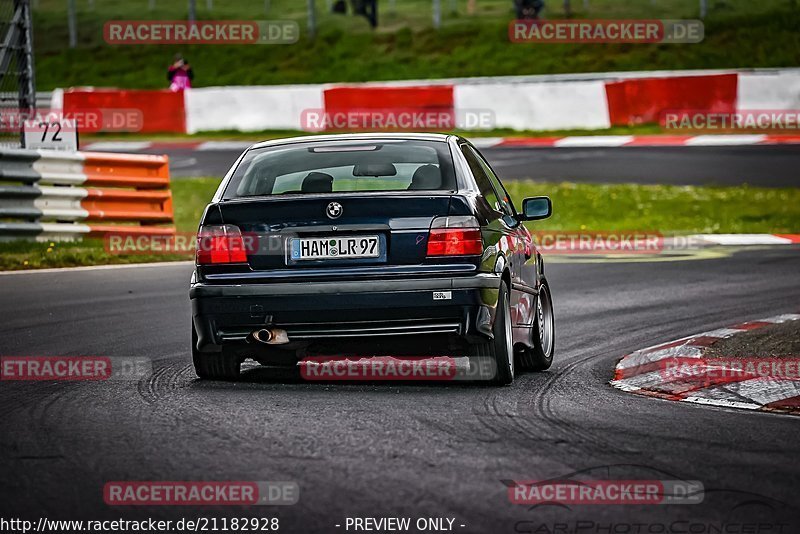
214, 365
501, 348
543, 333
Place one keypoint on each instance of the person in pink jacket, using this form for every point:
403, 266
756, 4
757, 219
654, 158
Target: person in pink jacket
180, 74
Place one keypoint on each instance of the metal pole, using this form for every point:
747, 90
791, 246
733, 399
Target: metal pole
453, 6
585, 5
703, 8
266, 6
437, 13
209, 4
151, 5
27, 78
567, 9
312, 19
72, 23
192, 10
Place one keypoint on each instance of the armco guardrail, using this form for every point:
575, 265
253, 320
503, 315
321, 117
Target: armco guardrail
44, 194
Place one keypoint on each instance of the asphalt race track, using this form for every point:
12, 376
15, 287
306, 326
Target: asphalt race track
731, 165
414, 450
720, 165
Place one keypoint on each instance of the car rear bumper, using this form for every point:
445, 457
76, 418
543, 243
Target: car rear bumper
227, 314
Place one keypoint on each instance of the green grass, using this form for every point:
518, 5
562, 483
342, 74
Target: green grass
664, 209
739, 33
189, 199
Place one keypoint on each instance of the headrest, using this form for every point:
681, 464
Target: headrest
426, 177
317, 182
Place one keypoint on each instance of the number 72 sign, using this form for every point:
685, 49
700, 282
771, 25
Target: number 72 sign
51, 133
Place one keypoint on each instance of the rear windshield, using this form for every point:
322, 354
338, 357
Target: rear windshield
344, 166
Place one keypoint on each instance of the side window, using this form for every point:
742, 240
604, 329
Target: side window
505, 200
481, 178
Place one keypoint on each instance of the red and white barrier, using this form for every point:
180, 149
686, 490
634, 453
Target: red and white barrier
591, 101
576, 141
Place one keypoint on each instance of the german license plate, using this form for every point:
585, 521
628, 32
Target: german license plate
334, 248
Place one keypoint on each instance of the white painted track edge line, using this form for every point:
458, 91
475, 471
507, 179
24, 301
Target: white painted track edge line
98, 267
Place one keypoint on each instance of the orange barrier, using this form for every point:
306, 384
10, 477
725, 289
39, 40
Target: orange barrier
126, 170
147, 199
122, 205
49, 200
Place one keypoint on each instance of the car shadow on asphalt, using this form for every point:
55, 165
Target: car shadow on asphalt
258, 376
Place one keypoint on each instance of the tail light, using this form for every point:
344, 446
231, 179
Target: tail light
455, 236
220, 244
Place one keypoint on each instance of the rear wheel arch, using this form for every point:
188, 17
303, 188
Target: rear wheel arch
500, 348
539, 356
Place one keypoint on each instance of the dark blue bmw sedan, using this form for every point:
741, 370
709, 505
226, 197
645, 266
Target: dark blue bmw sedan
368, 245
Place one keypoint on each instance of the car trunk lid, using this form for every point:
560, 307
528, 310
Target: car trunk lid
329, 232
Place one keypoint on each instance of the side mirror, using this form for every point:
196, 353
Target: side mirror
536, 208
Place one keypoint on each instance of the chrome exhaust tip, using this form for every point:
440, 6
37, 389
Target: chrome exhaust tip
270, 336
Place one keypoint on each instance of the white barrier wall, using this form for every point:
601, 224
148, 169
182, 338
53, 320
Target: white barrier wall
538, 106
778, 90
250, 108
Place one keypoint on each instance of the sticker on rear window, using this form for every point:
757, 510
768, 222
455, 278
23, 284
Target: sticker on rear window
442, 295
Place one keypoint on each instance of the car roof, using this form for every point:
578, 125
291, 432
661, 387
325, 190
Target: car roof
355, 137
